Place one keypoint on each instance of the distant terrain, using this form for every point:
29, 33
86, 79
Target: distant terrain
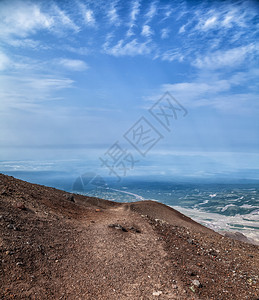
57, 245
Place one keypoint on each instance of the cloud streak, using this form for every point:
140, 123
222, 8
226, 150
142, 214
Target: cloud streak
113, 13
131, 48
73, 64
24, 18
228, 58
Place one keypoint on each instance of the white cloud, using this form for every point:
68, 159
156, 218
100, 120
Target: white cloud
164, 33
26, 43
87, 14
222, 17
151, 12
172, 55
62, 19
135, 11
89, 17
146, 31
208, 21
190, 91
25, 91
108, 40
4, 61
220, 94
227, 16
23, 18
211, 22
130, 32
131, 48
133, 17
78, 50
16, 63
73, 64
168, 10
47, 83
182, 29
228, 58
112, 14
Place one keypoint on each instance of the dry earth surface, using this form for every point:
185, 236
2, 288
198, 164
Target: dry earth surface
55, 245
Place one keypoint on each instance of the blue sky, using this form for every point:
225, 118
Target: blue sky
76, 75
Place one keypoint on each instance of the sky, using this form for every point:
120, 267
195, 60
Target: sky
79, 80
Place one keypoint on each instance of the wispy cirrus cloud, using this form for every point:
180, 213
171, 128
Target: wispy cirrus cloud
21, 92
113, 13
171, 55
131, 48
4, 61
73, 64
89, 17
146, 31
217, 93
135, 10
167, 11
87, 14
152, 11
225, 32
77, 50
227, 58
21, 19
204, 19
62, 20
27, 43
18, 63
164, 33
226, 16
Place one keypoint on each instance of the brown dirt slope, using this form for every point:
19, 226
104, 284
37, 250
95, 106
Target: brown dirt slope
54, 248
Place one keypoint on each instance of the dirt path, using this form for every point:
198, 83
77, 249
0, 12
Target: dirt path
123, 265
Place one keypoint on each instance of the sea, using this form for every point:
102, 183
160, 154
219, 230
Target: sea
221, 206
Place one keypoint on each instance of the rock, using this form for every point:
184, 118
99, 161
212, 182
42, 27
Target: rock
158, 293
11, 226
21, 206
118, 227
191, 241
41, 249
135, 229
213, 252
70, 198
4, 193
197, 283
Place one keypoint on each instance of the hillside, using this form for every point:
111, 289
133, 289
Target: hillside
55, 245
